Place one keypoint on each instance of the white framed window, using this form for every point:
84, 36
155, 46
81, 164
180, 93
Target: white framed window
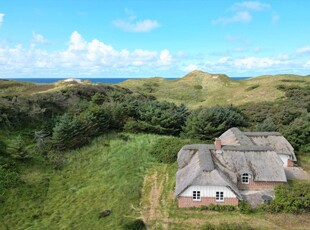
245, 178
196, 196
219, 196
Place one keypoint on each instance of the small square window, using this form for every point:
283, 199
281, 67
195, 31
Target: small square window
196, 196
219, 196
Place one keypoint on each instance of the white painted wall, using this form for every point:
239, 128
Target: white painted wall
208, 191
284, 159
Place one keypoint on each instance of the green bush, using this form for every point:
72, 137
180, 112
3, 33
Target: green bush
166, 148
252, 87
158, 117
8, 177
293, 197
208, 123
218, 208
135, 225
244, 207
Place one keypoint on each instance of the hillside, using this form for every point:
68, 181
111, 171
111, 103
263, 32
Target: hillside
204, 89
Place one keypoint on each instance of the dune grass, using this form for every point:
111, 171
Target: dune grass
203, 89
108, 174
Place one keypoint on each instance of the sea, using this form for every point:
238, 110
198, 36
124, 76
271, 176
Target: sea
94, 80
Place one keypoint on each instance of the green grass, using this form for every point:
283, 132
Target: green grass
203, 89
94, 178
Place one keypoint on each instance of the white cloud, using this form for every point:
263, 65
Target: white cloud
131, 24
250, 5
243, 12
242, 16
303, 50
190, 68
38, 38
165, 57
1, 18
223, 60
80, 57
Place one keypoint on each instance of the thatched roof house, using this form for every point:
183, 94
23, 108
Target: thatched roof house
237, 161
273, 140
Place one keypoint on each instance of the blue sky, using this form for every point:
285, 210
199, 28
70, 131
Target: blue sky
141, 38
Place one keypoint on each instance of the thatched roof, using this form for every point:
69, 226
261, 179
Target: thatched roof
263, 165
196, 167
270, 140
274, 140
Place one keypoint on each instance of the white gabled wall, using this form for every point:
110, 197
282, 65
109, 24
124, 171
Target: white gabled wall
208, 191
284, 159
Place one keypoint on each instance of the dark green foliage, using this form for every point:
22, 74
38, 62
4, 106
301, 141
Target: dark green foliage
135, 225
3, 147
9, 176
198, 87
289, 115
244, 207
158, 117
18, 149
266, 126
291, 80
252, 87
166, 148
227, 226
73, 131
218, 208
292, 198
298, 133
208, 123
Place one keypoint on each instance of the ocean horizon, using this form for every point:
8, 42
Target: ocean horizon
94, 80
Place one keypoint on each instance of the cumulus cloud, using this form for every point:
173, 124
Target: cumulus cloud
1, 18
303, 50
80, 57
165, 57
38, 38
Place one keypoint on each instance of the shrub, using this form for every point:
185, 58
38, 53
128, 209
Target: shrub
244, 207
198, 87
252, 87
158, 117
208, 123
292, 198
218, 208
135, 225
166, 148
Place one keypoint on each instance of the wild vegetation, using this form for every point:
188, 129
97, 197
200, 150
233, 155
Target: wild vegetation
69, 151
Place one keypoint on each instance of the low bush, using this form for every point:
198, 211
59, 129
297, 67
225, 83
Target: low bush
244, 207
166, 149
293, 197
135, 225
252, 87
218, 208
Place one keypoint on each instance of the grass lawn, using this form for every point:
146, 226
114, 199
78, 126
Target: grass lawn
108, 174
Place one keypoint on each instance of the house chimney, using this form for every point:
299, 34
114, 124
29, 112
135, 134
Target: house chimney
218, 143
